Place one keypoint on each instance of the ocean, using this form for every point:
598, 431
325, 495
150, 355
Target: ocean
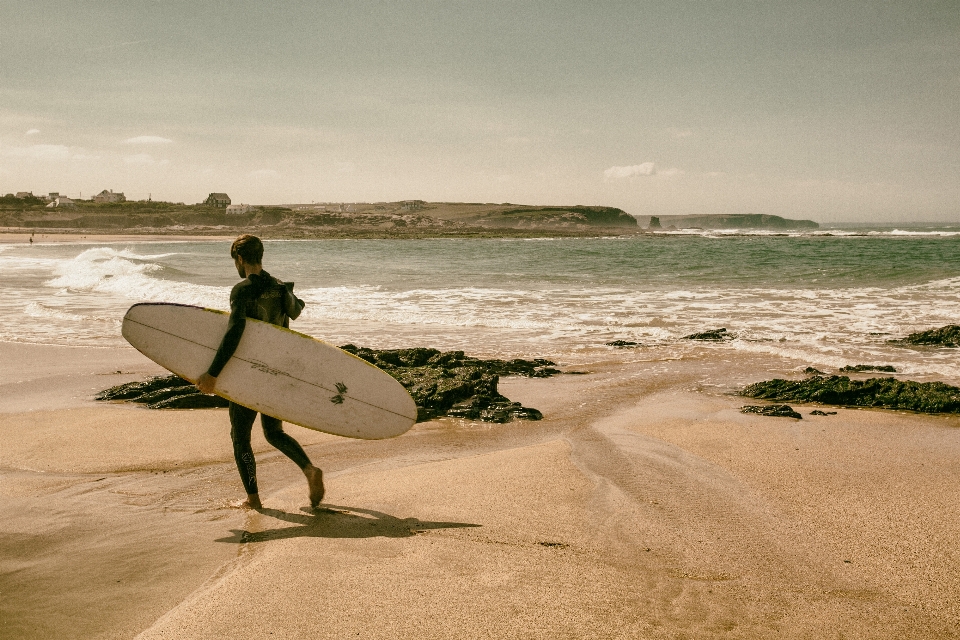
824, 299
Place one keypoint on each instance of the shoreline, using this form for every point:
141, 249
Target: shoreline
641, 488
11, 235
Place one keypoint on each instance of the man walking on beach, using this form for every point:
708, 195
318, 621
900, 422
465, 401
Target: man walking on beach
262, 297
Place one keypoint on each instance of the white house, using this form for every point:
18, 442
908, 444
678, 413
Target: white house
61, 202
239, 208
109, 196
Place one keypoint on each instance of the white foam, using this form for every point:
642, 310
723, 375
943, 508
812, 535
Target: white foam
131, 276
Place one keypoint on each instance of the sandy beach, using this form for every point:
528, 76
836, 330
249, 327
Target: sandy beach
641, 506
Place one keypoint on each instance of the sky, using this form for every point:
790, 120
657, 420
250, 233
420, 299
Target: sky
824, 110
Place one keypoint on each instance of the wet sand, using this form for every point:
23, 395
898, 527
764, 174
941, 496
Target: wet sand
643, 505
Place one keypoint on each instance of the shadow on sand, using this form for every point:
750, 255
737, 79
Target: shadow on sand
331, 521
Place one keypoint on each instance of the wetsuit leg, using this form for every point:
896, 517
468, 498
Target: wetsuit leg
241, 425
276, 436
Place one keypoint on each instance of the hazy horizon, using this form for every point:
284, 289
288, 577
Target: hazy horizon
808, 110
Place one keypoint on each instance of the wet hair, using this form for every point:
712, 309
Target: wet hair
247, 247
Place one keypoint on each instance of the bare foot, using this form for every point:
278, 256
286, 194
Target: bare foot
315, 481
252, 502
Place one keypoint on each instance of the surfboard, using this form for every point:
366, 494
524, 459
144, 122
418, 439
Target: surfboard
276, 371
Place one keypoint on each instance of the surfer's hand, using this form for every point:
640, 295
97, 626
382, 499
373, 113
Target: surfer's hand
206, 383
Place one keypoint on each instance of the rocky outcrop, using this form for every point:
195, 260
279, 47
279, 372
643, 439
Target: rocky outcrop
713, 335
775, 410
887, 393
449, 383
858, 368
948, 336
163, 392
622, 344
577, 216
654, 223
739, 221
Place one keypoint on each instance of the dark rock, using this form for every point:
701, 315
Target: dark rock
887, 393
654, 223
948, 336
622, 343
132, 390
817, 412
714, 335
163, 392
191, 401
776, 410
869, 367
810, 371
454, 384
441, 383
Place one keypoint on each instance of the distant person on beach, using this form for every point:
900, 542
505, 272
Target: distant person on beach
262, 297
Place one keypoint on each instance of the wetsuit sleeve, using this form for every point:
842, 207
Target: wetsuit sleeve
235, 327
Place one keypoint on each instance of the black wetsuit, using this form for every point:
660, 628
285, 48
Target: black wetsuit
262, 297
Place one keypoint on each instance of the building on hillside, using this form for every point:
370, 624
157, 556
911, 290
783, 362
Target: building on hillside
61, 202
53, 195
24, 194
239, 208
106, 196
412, 205
220, 200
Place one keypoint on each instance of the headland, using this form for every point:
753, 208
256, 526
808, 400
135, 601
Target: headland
403, 219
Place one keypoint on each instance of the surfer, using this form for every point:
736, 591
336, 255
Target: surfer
262, 297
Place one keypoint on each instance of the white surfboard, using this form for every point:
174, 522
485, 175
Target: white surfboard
276, 371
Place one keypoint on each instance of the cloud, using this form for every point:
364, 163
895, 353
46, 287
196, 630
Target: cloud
32, 132
148, 140
263, 173
633, 171
39, 152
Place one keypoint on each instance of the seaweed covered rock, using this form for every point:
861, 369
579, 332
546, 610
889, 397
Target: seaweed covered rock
163, 392
713, 335
451, 383
388, 359
887, 393
775, 410
869, 367
620, 344
948, 336
441, 383
132, 390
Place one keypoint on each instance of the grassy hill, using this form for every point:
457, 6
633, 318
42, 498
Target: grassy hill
386, 219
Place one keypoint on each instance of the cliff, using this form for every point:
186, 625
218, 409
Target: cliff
736, 221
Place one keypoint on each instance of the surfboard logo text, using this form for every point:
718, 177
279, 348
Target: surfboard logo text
259, 366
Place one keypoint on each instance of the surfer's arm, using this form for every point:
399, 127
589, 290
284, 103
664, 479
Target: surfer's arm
228, 345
